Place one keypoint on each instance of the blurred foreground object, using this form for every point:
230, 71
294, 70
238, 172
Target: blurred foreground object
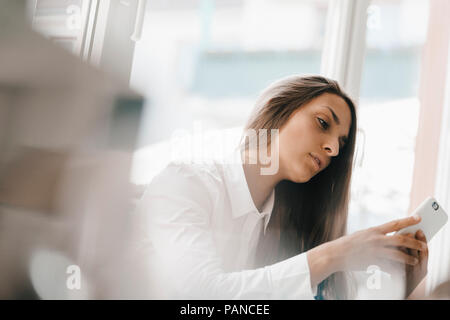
67, 135
442, 292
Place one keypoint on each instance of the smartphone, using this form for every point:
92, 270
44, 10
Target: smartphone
433, 219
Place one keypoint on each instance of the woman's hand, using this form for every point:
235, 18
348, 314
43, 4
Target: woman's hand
373, 247
368, 247
416, 273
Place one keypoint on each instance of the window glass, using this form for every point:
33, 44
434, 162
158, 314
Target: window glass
388, 111
208, 60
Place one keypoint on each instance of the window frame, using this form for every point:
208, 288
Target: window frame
440, 263
345, 43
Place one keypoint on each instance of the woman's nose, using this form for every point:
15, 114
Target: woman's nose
332, 148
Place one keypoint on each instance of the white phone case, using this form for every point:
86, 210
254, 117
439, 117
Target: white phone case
433, 217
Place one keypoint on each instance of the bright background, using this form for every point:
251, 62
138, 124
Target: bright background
206, 61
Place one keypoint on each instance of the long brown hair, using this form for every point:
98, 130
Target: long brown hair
305, 215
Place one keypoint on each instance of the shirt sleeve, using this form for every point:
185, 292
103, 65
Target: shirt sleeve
177, 209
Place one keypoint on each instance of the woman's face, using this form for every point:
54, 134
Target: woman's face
312, 136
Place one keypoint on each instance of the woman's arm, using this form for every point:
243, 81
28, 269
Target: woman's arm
323, 261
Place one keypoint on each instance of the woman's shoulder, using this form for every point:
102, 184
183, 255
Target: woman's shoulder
182, 185
210, 172
194, 179
191, 180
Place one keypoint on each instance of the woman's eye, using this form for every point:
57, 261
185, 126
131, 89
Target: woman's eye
323, 123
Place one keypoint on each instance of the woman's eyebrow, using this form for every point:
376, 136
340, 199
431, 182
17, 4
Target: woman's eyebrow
335, 117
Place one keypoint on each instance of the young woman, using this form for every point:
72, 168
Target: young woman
230, 230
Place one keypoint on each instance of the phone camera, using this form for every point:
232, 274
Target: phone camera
435, 206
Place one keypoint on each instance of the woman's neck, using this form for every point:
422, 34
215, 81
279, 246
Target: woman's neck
260, 186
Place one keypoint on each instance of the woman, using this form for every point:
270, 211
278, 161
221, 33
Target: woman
272, 224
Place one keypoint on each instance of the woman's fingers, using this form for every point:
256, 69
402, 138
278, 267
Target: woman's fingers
406, 241
403, 249
399, 256
421, 236
412, 252
399, 224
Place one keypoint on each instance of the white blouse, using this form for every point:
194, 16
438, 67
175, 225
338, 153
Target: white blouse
201, 229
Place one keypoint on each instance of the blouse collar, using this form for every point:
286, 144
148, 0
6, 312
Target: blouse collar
239, 192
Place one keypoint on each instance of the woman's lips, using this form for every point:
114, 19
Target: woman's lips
315, 161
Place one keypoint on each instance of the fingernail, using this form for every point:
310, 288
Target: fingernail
417, 218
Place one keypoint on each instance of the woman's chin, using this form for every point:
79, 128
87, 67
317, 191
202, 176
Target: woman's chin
301, 176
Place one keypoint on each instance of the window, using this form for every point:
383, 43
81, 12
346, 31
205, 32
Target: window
202, 64
388, 111
208, 60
